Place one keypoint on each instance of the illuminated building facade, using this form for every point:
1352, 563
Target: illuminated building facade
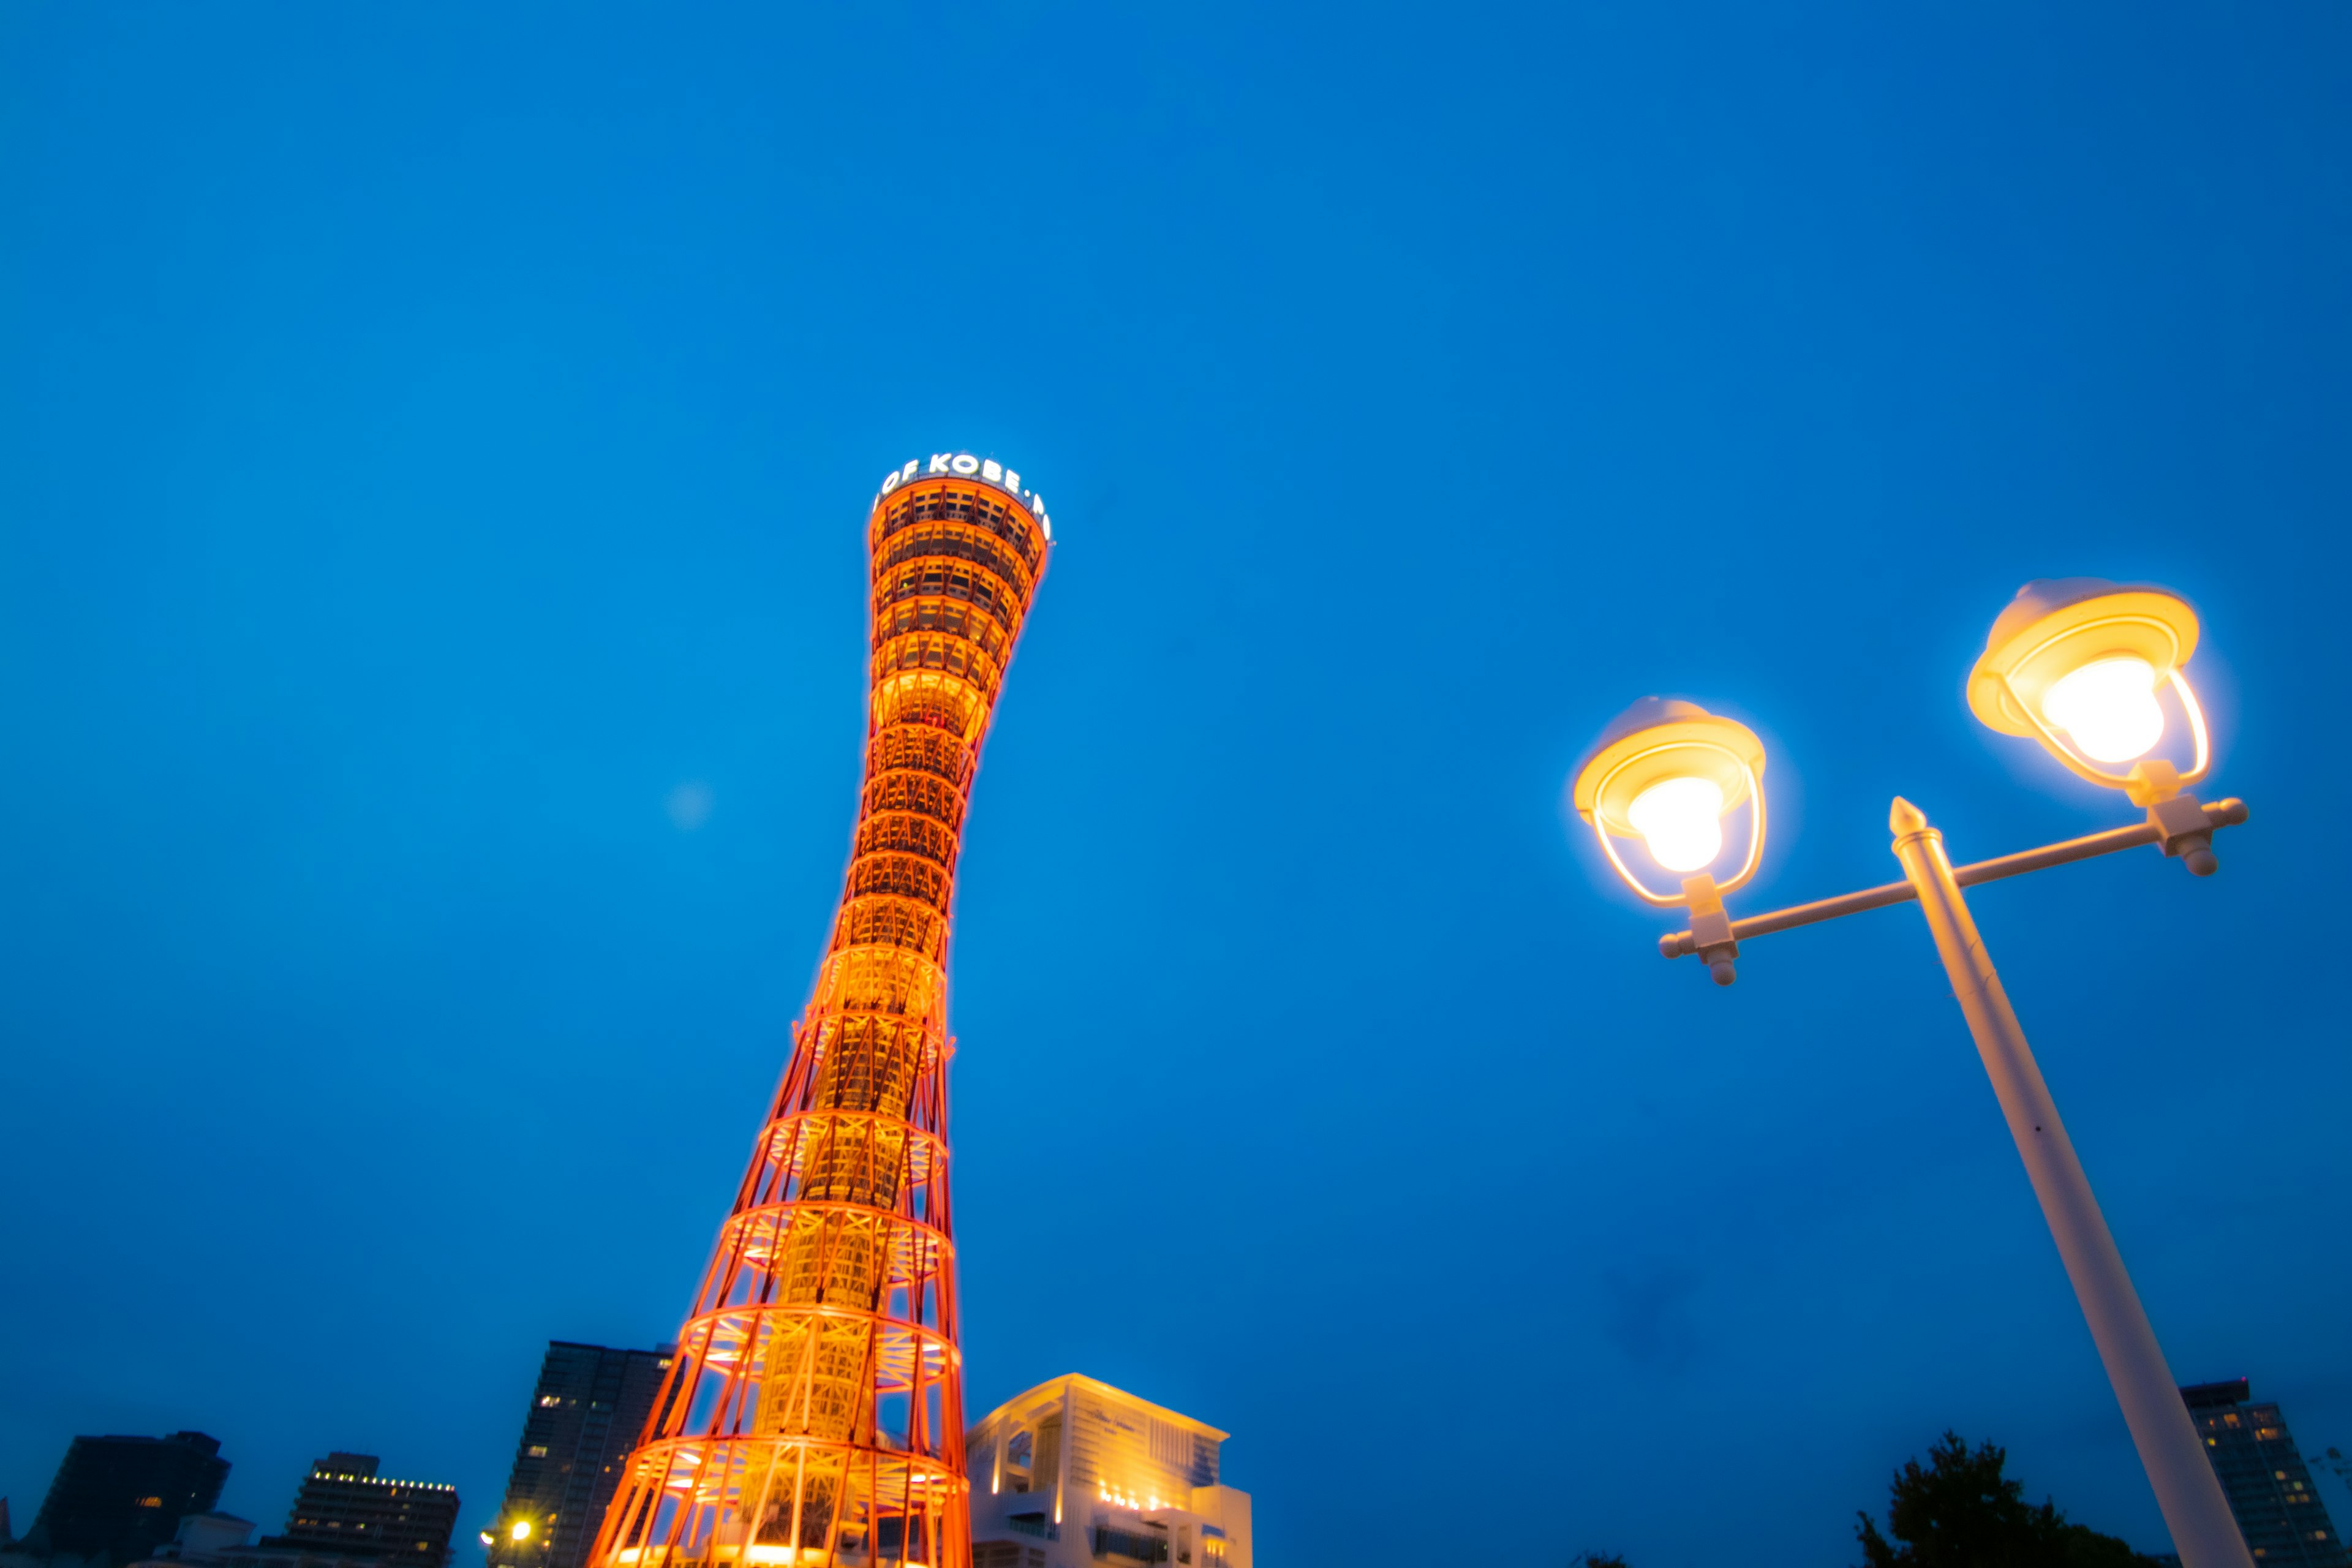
1077, 1474
816, 1411
2265, 1480
346, 1508
589, 1408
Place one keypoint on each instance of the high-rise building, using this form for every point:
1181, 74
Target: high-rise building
818, 1410
121, 1497
1077, 1474
588, 1409
2269, 1488
346, 1508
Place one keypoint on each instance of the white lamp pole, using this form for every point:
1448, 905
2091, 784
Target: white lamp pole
2204, 1532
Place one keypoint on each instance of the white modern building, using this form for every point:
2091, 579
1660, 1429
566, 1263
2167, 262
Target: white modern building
1077, 1474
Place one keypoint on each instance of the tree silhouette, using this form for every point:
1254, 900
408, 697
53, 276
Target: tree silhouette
1962, 1513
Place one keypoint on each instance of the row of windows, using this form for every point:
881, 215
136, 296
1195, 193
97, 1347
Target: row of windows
971, 508
1140, 1547
946, 541
948, 618
954, 656
955, 578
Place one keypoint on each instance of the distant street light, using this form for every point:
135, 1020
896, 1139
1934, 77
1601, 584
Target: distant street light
2080, 664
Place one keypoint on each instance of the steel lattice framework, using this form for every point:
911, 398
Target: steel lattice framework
816, 1413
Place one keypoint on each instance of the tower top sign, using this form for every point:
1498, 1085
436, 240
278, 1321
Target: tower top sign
964, 466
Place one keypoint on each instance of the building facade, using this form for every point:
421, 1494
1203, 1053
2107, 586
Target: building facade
2269, 1487
588, 1410
121, 1497
345, 1509
816, 1406
1077, 1474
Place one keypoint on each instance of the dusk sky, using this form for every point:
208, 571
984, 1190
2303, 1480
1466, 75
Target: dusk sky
434, 449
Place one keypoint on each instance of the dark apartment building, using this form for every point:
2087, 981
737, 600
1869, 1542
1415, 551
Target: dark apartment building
347, 1510
2269, 1488
121, 1497
586, 1412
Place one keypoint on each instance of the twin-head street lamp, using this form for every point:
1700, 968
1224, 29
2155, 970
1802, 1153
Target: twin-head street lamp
2083, 665
2078, 663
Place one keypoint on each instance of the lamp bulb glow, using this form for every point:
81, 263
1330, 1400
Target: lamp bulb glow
521, 1531
2109, 708
1681, 822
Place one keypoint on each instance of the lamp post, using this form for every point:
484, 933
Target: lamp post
2082, 665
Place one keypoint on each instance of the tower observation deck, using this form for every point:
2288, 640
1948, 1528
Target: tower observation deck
814, 1413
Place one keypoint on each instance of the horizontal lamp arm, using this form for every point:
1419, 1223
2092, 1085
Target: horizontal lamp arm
2220, 814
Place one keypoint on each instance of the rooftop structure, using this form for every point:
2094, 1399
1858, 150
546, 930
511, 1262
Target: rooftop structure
2269, 1488
1077, 1474
204, 1536
814, 1413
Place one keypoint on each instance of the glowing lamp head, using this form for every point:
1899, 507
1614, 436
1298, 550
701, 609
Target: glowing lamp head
521, 1531
2077, 663
1668, 771
1681, 821
2107, 708
487, 1537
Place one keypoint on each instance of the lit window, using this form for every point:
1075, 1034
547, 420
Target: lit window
150, 1503
538, 1450
545, 1400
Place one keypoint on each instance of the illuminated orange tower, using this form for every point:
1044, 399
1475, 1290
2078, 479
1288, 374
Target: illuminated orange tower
814, 1413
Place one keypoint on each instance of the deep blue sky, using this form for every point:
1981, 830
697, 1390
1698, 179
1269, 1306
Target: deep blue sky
432, 437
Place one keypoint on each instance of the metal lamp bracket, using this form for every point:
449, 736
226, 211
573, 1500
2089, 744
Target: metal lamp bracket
1711, 928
